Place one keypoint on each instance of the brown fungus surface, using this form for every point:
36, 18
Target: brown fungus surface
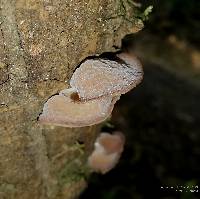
66, 109
102, 77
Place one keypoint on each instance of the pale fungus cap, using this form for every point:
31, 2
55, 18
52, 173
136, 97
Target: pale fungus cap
101, 77
101, 163
112, 142
66, 109
96, 86
107, 152
131, 60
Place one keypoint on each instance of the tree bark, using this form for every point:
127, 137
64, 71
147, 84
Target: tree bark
41, 43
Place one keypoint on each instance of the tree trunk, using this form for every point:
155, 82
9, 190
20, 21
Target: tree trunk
41, 43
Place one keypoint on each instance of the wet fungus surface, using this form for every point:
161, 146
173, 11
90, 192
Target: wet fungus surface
96, 85
100, 77
67, 110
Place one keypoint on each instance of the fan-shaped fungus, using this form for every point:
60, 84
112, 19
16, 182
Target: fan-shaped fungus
101, 77
107, 152
66, 109
96, 85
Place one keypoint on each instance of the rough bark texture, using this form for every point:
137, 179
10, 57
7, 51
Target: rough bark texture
41, 43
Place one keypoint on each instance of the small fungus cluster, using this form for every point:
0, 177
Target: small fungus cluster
107, 152
95, 87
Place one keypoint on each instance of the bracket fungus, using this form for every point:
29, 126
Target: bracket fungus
95, 87
67, 110
100, 77
107, 152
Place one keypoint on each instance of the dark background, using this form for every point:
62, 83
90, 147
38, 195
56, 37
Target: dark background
161, 117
